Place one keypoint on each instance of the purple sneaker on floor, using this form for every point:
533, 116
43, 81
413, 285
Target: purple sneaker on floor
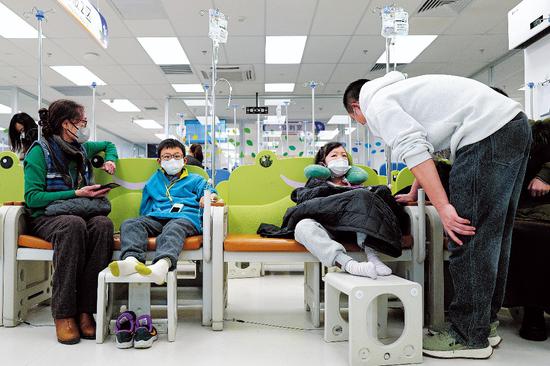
125, 329
145, 334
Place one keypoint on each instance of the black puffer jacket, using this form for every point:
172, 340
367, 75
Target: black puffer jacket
344, 210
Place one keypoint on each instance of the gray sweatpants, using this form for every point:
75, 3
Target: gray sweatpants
170, 234
318, 242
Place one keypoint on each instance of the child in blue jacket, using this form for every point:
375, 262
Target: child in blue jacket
170, 210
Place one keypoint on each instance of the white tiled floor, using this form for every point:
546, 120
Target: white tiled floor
275, 299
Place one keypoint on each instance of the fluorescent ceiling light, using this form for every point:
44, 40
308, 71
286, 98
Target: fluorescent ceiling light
279, 87
148, 124
79, 75
121, 105
202, 120
284, 49
276, 102
13, 26
188, 88
4, 109
320, 143
328, 134
164, 50
194, 102
523, 88
338, 120
347, 130
406, 49
162, 136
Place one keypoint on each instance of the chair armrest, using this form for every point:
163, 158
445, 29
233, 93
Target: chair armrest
13, 225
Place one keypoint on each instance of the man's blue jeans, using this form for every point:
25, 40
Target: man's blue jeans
485, 185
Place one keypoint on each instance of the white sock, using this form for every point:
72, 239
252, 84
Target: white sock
365, 269
123, 268
157, 272
381, 268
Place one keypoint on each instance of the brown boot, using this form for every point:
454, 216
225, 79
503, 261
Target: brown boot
67, 331
87, 326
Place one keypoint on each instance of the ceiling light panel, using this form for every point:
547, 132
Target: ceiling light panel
276, 102
13, 26
407, 48
148, 124
4, 109
164, 50
80, 75
188, 88
279, 87
121, 105
284, 49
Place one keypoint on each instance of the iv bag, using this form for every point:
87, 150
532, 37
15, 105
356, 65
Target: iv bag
395, 22
217, 30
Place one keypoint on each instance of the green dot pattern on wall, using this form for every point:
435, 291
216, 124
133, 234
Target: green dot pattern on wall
292, 147
238, 143
246, 130
241, 155
249, 142
285, 154
231, 140
253, 155
301, 154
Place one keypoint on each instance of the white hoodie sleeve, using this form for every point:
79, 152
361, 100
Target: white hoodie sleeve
406, 136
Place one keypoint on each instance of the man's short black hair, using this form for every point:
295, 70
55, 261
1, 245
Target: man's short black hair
352, 93
168, 144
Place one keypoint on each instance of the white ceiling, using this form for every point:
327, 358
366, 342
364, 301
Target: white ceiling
344, 43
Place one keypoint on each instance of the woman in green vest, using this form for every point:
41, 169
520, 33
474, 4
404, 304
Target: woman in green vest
57, 173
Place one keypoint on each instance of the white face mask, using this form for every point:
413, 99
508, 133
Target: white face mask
172, 166
339, 167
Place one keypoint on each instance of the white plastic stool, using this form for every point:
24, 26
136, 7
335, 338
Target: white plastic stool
141, 285
362, 328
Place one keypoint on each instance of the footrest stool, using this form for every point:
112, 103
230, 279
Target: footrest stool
367, 297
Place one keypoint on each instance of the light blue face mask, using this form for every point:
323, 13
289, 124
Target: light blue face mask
172, 166
82, 134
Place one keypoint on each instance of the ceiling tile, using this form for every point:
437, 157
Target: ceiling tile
146, 74
355, 51
325, 49
194, 13
346, 73
245, 50
281, 73
334, 18
315, 72
199, 50
289, 17
246, 17
128, 51
151, 28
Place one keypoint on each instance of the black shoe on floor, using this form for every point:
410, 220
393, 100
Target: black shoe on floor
533, 327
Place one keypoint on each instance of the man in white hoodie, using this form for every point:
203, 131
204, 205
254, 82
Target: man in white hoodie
489, 140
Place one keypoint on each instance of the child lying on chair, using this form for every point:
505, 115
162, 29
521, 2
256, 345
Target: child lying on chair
170, 210
332, 163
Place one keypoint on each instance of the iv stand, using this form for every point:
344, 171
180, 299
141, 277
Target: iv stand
39, 17
388, 148
94, 130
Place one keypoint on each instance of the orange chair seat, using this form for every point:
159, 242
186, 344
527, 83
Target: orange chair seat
255, 243
29, 241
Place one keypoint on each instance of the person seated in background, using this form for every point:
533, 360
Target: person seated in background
195, 156
58, 180
23, 131
316, 238
170, 210
526, 285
